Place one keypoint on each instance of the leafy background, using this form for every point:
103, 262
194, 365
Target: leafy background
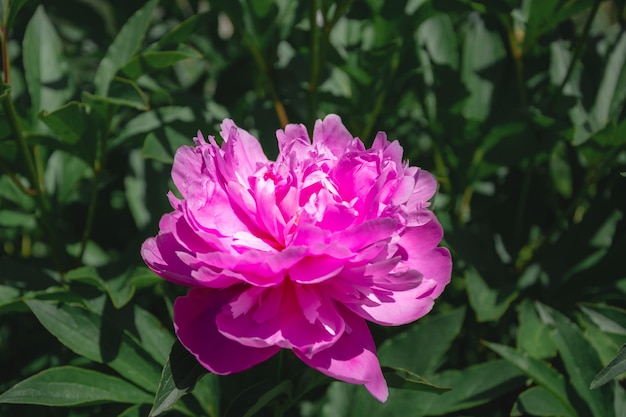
516, 106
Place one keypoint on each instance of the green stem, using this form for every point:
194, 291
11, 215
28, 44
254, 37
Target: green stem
36, 182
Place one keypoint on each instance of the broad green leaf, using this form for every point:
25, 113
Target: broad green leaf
539, 401
124, 46
99, 339
12, 218
482, 51
438, 37
488, 304
151, 61
422, 347
153, 149
179, 376
70, 386
541, 372
154, 336
471, 387
580, 360
616, 367
45, 66
533, 336
403, 379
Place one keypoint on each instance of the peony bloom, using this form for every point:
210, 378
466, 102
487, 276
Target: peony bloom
300, 252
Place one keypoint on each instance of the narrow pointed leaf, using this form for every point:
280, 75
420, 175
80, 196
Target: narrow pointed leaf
179, 376
124, 46
69, 386
616, 367
403, 379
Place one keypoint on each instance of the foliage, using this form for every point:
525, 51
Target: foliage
517, 106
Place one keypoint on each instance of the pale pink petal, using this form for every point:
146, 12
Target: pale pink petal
194, 322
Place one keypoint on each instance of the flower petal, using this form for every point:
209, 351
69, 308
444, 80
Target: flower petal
194, 322
352, 358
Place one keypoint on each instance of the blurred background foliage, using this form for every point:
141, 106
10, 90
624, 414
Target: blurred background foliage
517, 106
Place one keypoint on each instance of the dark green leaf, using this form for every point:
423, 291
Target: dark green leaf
124, 46
403, 379
533, 336
539, 401
541, 372
99, 339
616, 367
179, 376
488, 304
70, 386
422, 347
45, 66
148, 62
580, 359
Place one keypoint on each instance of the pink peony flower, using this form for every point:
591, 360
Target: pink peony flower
300, 252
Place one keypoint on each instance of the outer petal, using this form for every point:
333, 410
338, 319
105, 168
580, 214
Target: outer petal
352, 358
194, 322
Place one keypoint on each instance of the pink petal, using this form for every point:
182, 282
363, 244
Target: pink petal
242, 151
194, 322
332, 134
289, 316
352, 358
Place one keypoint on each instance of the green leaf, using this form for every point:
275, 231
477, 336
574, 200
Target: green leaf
179, 376
403, 379
488, 304
14, 8
69, 123
99, 339
580, 360
539, 401
124, 46
616, 367
125, 92
612, 91
70, 386
153, 149
608, 319
154, 336
422, 347
181, 32
533, 336
541, 372
471, 387
152, 61
45, 66
482, 51
284, 388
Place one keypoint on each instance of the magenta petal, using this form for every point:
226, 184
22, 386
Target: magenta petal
194, 322
289, 316
332, 134
352, 358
